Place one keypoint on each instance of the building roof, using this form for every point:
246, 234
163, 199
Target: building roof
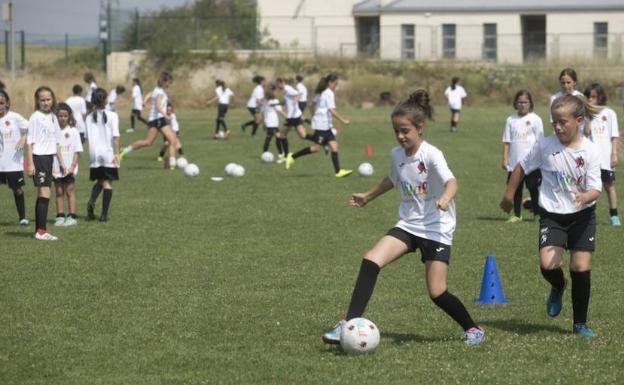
375, 7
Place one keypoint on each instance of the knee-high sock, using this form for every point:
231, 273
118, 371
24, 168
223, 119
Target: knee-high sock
267, 142
41, 213
455, 309
95, 192
363, 290
278, 144
554, 277
132, 120
302, 152
20, 204
581, 287
254, 128
335, 162
285, 145
106, 200
217, 126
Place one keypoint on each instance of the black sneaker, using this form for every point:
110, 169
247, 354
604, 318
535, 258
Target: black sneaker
103, 218
90, 211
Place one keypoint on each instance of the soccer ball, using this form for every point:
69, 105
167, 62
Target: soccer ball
229, 168
358, 336
182, 163
238, 171
191, 169
267, 157
365, 169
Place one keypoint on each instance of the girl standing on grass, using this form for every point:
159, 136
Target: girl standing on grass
324, 112
79, 109
113, 96
223, 96
605, 133
567, 81
522, 130
13, 131
254, 103
43, 145
270, 110
426, 218
103, 135
455, 95
91, 86
175, 126
570, 166
157, 121
137, 104
71, 147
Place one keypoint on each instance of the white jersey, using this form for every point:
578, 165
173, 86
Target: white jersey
70, 144
92, 86
101, 136
154, 111
270, 110
604, 127
455, 96
43, 133
291, 101
137, 98
173, 122
12, 127
322, 118
79, 109
256, 96
521, 133
303, 92
422, 178
111, 100
565, 172
224, 96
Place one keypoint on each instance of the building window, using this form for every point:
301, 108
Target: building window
489, 42
448, 41
601, 37
407, 41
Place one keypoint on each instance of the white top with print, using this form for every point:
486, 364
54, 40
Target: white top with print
12, 127
70, 143
256, 95
322, 118
101, 136
43, 133
604, 127
154, 112
270, 113
521, 133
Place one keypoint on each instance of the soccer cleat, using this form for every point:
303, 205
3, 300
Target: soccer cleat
555, 301
280, 158
70, 221
289, 160
514, 219
583, 330
90, 211
122, 154
332, 337
45, 236
129, 130
474, 336
24, 222
342, 173
103, 218
59, 221
172, 167
615, 221
159, 159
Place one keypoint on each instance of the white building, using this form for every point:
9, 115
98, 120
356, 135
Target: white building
497, 30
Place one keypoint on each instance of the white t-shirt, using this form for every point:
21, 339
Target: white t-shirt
256, 96
70, 143
521, 133
137, 98
224, 95
154, 112
111, 100
101, 147
291, 101
43, 133
270, 115
79, 110
92, 86
303, 92
422, 178
455, 96
173, 122
604, 127
322, 118
12, 127
565, 171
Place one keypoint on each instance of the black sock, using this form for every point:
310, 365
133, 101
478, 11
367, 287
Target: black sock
278, 144
254, 128
249, 123
41, 213
180, 152
455, 309
60, 215
517, 201
581, 285
554, 277
162, 151
267, 142
73, 215
334, 158
302, 152
217, 126
285, 145
20, 204
106, 199
613, 212
363, 290
224, 125
95, 192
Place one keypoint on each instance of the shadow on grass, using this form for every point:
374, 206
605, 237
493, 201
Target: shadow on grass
494, 219
19, 234
524, 327
402, 338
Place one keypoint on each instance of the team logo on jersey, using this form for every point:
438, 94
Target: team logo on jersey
7, 123
604, 118
528, 123
414, 191
67, 135
402, 164
580, 162
421, 167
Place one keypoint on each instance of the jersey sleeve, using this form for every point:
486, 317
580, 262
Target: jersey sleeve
614, 130
594, 181
533, 160
331, 100
538, 127
30, 131
76, 142
393, 172
114, 119
507, 131
438, 163
22, 124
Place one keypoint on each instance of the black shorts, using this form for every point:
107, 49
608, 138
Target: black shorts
15, 179
106, 173
222, 109
453, 110
323, 137
607, 176
270, 131
68, 179
293, 122
157, 123
43, 170
576, 231
302, 106
429, 250
252, 111
135, 112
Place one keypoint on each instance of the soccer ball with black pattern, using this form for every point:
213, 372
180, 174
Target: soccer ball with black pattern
359, 336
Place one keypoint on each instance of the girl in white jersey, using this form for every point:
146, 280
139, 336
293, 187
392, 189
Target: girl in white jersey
13, 130
270, 114
570, 165
604, 131
157, 121
137, 104
254, 103
303, 96
103, 135
293, 116
324, 112
113, 96
223, 95
91, 86
455, 95
43, 145
175, 126
567, 82
71, 147
522, 130
426, 218
79, 109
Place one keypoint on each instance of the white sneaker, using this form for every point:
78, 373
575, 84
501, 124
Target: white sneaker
69, 221
45, 237
24, 222
59, 221
130, 130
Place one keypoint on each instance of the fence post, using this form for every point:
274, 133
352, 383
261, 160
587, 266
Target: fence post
66, 50
137, 27
23, 49
195, 28
6, 50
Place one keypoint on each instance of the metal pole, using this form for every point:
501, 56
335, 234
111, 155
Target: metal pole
23, 49
66, 50
7, 59
12, 35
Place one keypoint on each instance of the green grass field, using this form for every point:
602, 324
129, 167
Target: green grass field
198, 282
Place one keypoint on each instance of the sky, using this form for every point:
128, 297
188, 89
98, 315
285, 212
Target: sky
42, 19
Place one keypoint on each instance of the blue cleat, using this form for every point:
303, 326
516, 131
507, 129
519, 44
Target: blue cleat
332, 337
555, 301
615, 221
583, 330
474, 336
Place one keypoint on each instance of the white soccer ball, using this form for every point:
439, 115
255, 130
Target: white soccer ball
229, 168
358, 336
182, 163
238, 171
221, 135
267, 157
191, 169
365, 169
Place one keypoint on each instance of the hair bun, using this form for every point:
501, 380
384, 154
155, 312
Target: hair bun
419, 97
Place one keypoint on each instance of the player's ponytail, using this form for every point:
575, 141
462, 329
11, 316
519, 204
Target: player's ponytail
99, 101
416, 108
454, 82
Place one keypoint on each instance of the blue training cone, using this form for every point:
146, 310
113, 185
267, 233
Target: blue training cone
491, 289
